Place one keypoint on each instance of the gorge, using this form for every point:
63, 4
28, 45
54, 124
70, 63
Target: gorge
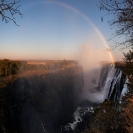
59, 101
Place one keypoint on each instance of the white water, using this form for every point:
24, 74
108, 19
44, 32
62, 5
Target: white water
125, 89
98, 91
109, 79
78, 114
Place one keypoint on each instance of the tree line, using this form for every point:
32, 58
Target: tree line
11, 67
8, 67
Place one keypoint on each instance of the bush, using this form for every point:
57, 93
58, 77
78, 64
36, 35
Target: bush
8, 67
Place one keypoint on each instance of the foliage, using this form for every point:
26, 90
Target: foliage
122, 21
128, 58
47, 99
112, 116
128, 99
8, 67
128, 114
8, 10
107, 118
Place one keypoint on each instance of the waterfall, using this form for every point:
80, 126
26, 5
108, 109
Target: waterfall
112, 84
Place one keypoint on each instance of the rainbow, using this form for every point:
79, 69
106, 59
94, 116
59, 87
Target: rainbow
88, 20
96, 29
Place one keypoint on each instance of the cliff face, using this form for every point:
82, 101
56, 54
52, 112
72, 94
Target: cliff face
112, 85
42, 103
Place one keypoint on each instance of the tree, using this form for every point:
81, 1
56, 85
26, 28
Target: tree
107, 118
9, 10
8, 67
128, 113
122, 21
128, 58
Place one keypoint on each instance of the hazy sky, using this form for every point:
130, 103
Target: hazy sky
57, 29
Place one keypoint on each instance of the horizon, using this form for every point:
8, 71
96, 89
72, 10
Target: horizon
56, 30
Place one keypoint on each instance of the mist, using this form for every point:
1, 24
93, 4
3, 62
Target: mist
91, 60
57, 64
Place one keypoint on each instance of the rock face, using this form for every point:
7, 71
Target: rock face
112, 84
43, 103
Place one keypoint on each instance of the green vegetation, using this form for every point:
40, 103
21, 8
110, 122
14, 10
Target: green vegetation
27, 94
8, 67
107, 118
112, 116
128, 58
10, 70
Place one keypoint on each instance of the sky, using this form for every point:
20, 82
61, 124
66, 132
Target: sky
58, 29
